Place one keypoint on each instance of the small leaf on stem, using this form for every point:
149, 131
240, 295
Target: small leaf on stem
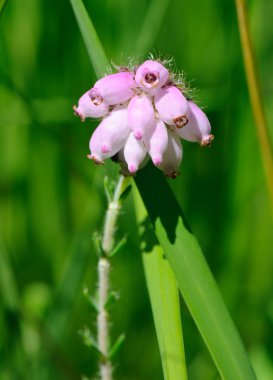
90, 341
112, 298
92, 301
118, 247
108, 189
116, 346
98, 244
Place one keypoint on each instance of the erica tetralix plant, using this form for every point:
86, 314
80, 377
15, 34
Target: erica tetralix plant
145, 111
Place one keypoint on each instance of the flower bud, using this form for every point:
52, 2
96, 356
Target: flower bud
109, 137
113, 89
172, 156
134, 153
141, 116
157, 143
86, 108
198, 128
151, 75
172, 106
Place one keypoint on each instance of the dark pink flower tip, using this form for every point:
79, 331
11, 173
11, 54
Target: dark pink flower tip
157, 161
141, 115
132, 168
151, 75
138, 134
105, 148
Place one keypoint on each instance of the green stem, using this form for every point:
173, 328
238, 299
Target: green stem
104, 267
255, 96
111, 216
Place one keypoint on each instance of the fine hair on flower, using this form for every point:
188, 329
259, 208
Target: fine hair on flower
145, 111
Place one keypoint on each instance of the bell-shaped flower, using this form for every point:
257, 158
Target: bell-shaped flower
198, 128
110, 136
151, 75
172, 106
157, 142
134, 153
172, 156
113, 89
141, 116
86, 108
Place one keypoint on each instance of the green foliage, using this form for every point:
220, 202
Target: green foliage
194, 278
163, 292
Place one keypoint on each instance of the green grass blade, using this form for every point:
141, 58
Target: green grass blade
164, 297
151, 25
194, 278
90, 37
7, 281
3, 3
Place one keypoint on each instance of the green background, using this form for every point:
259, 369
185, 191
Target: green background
52, 197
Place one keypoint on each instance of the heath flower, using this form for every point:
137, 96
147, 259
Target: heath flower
144, 114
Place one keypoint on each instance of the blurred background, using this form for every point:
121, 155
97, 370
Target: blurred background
52, 197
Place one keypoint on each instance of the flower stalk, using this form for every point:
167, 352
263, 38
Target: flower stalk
255, 96
104, 291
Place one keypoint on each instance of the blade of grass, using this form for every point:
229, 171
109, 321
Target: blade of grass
90, 38
3, 3
164, 297
152, 22
194, 278
7, 281
255, 96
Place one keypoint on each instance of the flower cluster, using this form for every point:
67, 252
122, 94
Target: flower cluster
144, 114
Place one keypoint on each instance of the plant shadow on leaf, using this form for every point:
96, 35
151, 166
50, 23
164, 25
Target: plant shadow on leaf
168, 212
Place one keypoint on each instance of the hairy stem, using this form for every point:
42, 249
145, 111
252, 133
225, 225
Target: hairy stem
104, 267
255, 95
103, 318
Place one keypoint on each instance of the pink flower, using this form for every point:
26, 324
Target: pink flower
157, 142
140, 115
113, 89
198, 128
172, 106
134, 153
86, 108
151, 75
172, 156
109, 136
143, 115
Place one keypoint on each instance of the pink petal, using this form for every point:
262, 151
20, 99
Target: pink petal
198, 128
172, 106
114, 88
151, 75
140, 116
109, 137
86, 108
134, 153
172, 156
157, 143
